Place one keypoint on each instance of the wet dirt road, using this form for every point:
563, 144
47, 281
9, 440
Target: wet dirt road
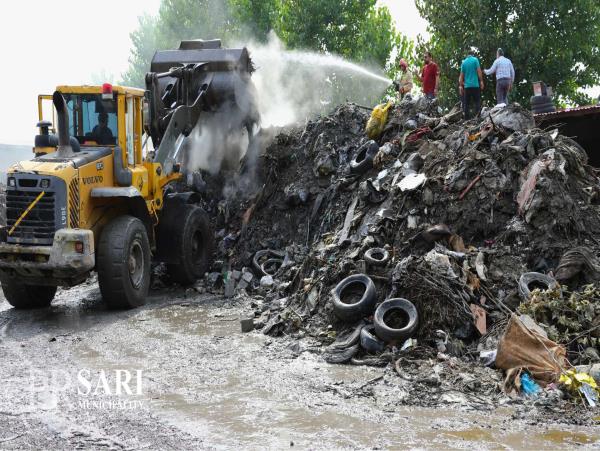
203, 384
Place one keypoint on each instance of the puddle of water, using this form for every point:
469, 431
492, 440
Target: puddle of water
236, 396
192, 320
568, 438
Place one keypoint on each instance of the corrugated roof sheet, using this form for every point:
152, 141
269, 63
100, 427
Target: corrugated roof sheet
570, 112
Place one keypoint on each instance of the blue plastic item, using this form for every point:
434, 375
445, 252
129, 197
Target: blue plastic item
528, 386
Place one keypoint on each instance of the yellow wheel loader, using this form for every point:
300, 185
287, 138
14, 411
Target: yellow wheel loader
95, 198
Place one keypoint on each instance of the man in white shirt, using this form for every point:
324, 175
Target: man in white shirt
505, 76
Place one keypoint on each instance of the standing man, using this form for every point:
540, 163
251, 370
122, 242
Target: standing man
505, 76
404, 81
429, 77
470, 84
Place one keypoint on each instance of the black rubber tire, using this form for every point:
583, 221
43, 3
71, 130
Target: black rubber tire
528, 278
123, 243
540, 106
22, 296
363, 307
259, 255
194, 241
543, 109
372, 254
540, 100
270, 263
390, 334
363, 161
369, 341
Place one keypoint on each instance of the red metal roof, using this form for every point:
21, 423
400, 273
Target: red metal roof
570, 112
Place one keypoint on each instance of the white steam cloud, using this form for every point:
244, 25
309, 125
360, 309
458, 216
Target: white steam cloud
291, 86
296, 85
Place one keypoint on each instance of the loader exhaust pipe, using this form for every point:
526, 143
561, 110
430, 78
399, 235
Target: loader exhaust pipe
64, 140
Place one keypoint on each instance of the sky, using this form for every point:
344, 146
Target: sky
45, 44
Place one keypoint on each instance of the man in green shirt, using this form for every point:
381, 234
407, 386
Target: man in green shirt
471, 84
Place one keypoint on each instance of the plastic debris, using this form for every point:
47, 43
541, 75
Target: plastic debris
581, 383
528, 385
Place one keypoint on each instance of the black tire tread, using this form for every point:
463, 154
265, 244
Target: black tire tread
184, 272
362, 308
22, 296
111, 263
388, 334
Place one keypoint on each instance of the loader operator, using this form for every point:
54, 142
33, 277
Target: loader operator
101, 133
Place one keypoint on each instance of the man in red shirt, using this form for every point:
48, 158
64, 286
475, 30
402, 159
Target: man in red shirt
429, 77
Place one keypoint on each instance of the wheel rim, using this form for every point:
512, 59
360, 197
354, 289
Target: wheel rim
136, 264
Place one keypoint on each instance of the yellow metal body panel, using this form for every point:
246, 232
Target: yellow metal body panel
86, 89
64, 170
93, 211
147, 176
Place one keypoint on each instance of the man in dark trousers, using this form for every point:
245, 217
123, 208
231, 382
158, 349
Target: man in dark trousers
470, 85
429, 77
505, 76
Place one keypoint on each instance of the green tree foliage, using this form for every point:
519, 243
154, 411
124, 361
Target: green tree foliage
354, 29
254, 19
176, 20
553, 41
144, 43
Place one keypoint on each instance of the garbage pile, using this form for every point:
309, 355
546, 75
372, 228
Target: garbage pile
419, 239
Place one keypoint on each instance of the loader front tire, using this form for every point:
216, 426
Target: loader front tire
123, 262
194, 243
22, 296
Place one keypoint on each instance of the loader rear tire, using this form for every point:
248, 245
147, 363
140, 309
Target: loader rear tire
22, 296
123, 262
194, 243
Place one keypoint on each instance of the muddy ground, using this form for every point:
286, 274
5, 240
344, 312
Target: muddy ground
207, 385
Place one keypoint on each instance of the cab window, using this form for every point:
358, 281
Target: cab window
92, 120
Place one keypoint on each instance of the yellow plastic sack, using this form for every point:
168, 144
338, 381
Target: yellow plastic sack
377, 121
581, 383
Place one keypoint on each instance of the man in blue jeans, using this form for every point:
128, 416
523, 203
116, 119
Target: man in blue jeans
470, 84
505, 76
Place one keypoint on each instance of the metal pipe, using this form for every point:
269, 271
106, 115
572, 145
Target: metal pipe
64, 145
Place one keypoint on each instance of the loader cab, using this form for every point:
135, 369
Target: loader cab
99, 117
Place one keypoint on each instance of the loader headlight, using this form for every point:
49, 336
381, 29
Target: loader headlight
11, 182
45, 183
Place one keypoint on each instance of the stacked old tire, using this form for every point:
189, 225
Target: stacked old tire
542, 104
394, 320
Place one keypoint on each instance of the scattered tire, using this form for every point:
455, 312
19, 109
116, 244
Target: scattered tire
540, 100
354, 297
22, 296
123, 262
544, 109
395, 320
271, 266
529, 281
377, 256
363, 161
194, 241
340, 355
262, 257
369, 341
